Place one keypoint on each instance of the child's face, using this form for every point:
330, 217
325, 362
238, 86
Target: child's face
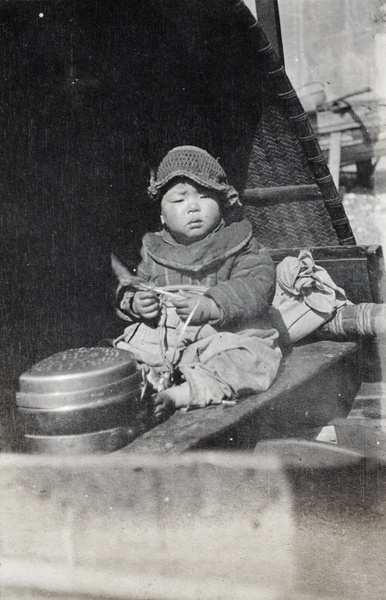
190, 212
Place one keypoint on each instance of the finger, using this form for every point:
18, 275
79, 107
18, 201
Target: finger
187, 306
145, 310
146, 294
148, 302
183, 312
186, 301
152, 306
190, 296
151, 309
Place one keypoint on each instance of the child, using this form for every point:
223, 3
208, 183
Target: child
198, 306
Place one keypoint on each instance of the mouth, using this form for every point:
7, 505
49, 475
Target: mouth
195, 223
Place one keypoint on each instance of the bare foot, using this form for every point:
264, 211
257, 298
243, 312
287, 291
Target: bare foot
167, 401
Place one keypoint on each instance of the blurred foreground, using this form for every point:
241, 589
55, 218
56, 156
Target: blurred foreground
285, 525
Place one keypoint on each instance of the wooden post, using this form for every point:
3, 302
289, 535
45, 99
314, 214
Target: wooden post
334, 156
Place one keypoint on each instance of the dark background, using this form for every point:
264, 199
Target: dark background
92, 95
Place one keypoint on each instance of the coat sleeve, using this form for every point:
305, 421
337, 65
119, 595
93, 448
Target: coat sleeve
249, 292
124, 294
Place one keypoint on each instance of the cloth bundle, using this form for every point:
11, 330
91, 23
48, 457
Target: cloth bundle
305, 296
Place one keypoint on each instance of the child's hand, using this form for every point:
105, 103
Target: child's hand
206, 309
146, 304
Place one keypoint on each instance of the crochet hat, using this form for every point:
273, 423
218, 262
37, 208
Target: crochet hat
198, 166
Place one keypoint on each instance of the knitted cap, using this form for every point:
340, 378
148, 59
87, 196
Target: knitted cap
198, 166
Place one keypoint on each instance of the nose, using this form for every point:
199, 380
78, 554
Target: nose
193, 204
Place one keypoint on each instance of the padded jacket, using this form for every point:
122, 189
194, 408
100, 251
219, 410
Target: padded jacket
238, 273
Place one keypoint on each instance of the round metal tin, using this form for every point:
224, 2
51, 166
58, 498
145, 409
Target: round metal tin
77, 370
128, 386
98, 442
107, 414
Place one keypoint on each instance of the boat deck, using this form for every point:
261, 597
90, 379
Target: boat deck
317, 382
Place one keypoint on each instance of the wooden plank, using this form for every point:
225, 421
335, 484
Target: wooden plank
327, 128
281, 194
359, 270
327, 253
316, 383
346, 144
376, 270
334, 156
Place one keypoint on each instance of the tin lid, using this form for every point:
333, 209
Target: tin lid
77, 369
128, 386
